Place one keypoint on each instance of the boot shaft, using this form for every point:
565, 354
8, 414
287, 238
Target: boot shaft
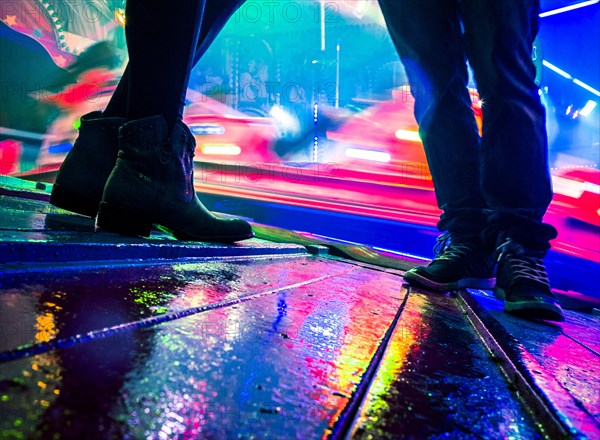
163, 160
178, 173
153, 183
141, 143
80, 181
105, 130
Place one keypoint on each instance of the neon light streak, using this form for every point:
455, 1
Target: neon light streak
375, 156
408, 135
221, 149
587, 87
588, 108
556, 69
568, 76
568, 8
402, 254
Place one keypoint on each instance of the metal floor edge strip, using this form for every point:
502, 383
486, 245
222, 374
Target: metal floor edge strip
555, 422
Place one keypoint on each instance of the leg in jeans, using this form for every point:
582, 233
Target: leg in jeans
216, 15
516, 181
427, 35
515, 177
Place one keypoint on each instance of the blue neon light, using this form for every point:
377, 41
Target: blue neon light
568, 8
556, 69
588, 108
568, 76
60, 148
587, 87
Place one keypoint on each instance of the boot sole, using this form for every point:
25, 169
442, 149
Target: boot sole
123, 221
531, 309
465, 283
126, 221
82, 204
182, 235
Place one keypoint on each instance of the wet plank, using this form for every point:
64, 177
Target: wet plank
38, 307
437, 380
567, 351
281, 365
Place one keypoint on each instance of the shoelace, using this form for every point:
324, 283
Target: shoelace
445, 249
531, 269
442, 243
522, 266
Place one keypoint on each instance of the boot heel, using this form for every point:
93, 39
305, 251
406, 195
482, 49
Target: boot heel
122, 220
81, 204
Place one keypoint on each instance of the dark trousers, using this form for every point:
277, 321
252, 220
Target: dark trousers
164, 42
498, 183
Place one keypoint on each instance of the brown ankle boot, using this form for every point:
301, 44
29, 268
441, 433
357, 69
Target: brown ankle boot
153, 182
81, 177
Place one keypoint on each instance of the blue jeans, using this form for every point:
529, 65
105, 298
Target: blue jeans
497, 184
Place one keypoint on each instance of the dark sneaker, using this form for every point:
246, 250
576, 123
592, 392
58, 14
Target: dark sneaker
459, 263
522, 282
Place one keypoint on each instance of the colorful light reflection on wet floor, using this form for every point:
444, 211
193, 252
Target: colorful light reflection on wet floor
251, 367
280, 365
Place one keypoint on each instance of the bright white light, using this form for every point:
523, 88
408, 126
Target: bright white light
591, 187
360, 8
408, 135
207, 129
556, 69
278, 112
221, 149
567, 187
568, 8
402, 254
568, 76
285, 122
588, 107
587, 87
375, 156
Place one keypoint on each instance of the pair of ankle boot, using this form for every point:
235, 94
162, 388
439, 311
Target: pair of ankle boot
134, 174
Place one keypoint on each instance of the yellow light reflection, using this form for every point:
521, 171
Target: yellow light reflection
45, 327
404, 339
221, 149
120, 16
408, 135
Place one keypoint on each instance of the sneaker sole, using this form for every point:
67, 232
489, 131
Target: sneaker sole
465, 283
531, 309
